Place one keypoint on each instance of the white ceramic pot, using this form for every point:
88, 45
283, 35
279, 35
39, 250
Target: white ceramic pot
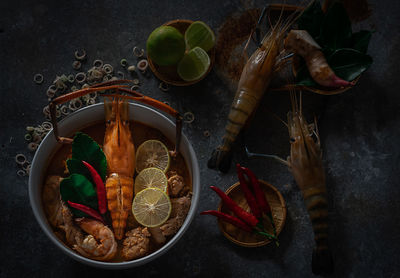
83, 118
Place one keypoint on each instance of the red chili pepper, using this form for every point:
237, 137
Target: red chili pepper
260, 196
100, 188
238, 211
251, 200
89, 211
229, 218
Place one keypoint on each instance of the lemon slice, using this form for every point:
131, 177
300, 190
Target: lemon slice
151, 177
199, 34
152, 153
194, 64
151, 207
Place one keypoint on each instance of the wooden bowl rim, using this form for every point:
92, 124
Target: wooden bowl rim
260, 243
211, 54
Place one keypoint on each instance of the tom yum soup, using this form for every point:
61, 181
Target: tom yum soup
116, 193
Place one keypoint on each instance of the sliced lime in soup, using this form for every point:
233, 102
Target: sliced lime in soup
194, 64
152, 153
199, 34
151, 207
151, 178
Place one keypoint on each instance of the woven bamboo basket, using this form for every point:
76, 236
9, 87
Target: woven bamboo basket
168, 74
242, 238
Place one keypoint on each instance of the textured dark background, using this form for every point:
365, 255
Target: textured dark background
360, 133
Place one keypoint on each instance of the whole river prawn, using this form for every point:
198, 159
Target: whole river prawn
305, 163
254, 81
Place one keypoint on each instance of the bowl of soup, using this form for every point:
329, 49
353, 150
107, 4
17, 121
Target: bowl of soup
48, 168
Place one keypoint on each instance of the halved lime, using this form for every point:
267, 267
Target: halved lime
194, 64
151, 177
199, 34
165, 46
152, 153
151, 207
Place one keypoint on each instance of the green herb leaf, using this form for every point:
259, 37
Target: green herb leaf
336, 27
76, 167
348, 63
360, 40
78, 189
85, 148
311, 19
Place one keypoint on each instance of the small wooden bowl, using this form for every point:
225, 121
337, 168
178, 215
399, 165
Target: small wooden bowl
168, 74
243, 238
322, 91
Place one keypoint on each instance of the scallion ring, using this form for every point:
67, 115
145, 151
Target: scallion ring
76, 65
47, 126
64, 110
71, 78
20, 159
38, 78
123, 62
138, 52
163, 86
28, 137
135, 87
80, 56
33, 146
142, 65
21, 173
80, 77
108, 68
46, 110
98, 63
91, 101
188, 117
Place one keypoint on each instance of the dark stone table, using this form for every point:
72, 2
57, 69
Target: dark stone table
359, 129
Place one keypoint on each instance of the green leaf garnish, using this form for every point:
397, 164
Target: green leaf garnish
360, 40
85, 148
336, 27
311, 19
344, 51
78, 189
348, 63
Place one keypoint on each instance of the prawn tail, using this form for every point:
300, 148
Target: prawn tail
317, 207
220, 159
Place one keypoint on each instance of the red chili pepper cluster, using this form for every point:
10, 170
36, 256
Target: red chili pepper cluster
249, 222
101, 196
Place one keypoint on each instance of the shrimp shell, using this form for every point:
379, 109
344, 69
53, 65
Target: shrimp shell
305, 163
100, 244
254, 81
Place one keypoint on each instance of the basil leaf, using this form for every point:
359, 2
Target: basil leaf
360, 40
311, 19
78, 189
85, 148
76, 167
336, 27
348, 63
